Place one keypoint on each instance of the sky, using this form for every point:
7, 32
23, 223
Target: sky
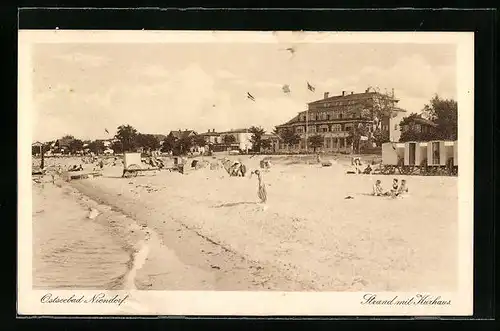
84, 88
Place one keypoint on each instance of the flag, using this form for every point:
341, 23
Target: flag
251, 97
286, 88
310, 87
106, 130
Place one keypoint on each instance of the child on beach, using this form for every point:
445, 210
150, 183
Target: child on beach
377, 188
395, 187
261, 192
402, 189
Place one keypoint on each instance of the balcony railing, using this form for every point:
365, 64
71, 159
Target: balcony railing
329, 134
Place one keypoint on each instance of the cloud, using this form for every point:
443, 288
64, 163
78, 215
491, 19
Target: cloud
412, 74
224, 74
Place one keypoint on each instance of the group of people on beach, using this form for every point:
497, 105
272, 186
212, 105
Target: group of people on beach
396, 190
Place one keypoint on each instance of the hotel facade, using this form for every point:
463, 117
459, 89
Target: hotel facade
335, 117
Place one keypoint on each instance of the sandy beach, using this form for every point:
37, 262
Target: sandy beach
205, 230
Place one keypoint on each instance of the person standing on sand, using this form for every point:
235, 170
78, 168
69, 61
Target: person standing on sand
261, 193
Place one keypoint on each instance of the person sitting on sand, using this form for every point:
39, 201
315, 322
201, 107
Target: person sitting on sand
402, 188
261, 192
395, 187
377, 188
367, 170
357, 165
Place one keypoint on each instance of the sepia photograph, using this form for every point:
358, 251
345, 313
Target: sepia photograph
245, 172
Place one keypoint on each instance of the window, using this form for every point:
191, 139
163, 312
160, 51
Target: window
328, 143
324, 129
336, 127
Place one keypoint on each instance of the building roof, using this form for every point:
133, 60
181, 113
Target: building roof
181, 134
237, 131
293, 120
421, 120
37, 144
350, 96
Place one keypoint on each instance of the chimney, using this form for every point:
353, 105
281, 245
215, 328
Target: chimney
213, 130
352, 93
325, 95
343, 93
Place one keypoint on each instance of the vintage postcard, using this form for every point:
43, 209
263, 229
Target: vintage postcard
245, 173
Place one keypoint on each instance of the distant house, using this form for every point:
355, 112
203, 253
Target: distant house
179, 134
36, 148
63, 143
335, 118
160, 138
418, 124
212, 137
242, 139
274, 142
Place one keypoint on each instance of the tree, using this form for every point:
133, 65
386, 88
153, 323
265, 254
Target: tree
380, 137
147, 141
199, 141
75, 145
229, 139
183, 145
256, 139
443, 112
96, 146
316, 141
289, 137
127, 136
355, 134
168, 144
265, 143
117, 147
68, 137
410, 133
